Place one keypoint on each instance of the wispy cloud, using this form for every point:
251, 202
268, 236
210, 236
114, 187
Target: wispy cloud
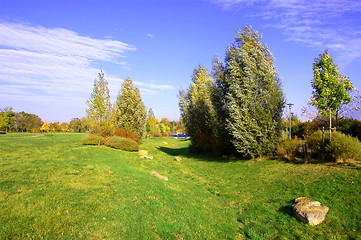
154, 86
333, 24
150, 35
38, 63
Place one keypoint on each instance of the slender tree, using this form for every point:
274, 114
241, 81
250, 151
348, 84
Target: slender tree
224, 143
198, 112
99, 107
253, 96
152, 124
130, 113
330, 87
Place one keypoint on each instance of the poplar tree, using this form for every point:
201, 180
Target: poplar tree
223, 137
197, 110
130, 113
99, 107
330, 87
152, 124
254, 100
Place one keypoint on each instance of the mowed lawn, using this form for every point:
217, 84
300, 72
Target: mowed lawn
52, 187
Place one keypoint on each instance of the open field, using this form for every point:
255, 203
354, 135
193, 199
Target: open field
52, 187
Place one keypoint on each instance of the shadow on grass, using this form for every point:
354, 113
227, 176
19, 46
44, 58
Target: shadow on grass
175, 151
205, 156
287, 210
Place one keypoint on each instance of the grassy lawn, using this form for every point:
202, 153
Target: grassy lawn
52, 187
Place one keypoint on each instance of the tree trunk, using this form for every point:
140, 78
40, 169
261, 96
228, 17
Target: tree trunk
330, 125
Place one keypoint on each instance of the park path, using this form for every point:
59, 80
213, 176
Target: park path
37, 135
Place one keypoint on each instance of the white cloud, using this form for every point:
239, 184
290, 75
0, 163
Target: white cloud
51, 65
333, 24
154, 86
150, 35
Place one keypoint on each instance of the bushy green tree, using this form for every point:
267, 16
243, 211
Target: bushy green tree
78, 125
7, 119
254, 100
27, 122
197, 110
130, 113
330, 87
99, 107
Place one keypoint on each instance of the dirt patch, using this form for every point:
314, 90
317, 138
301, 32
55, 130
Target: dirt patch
38, 135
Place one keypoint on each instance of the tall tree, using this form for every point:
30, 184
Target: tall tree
130, 113
99, 107
330, 87
152, 124
254, 100
197, 110
223, 137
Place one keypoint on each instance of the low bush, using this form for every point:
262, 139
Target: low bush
314, 142
344, 148
341, 148
287, 149
93, 139
126, 134
121, 143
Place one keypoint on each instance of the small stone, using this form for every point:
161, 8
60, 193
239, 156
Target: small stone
177, 159
309, 211
142, 152
159, 176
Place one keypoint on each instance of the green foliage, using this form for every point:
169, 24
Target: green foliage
197, 110
130, 112
254, 98
121, 143
27, 122
314, 142
330, 86
240, 112
78, 125
7, 119
344, 148
288, 148
93, 139
99, 108
153, 126
350, 126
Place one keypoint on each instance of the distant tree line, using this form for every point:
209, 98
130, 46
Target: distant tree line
11, 121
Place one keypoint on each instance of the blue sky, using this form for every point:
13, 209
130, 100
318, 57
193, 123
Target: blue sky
52, 50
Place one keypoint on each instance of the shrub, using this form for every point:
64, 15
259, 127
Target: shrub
341, 148
126, 134
121, 143
93, 139
288, 149
314, 142
344, 148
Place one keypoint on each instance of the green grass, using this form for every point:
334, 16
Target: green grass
53, 187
